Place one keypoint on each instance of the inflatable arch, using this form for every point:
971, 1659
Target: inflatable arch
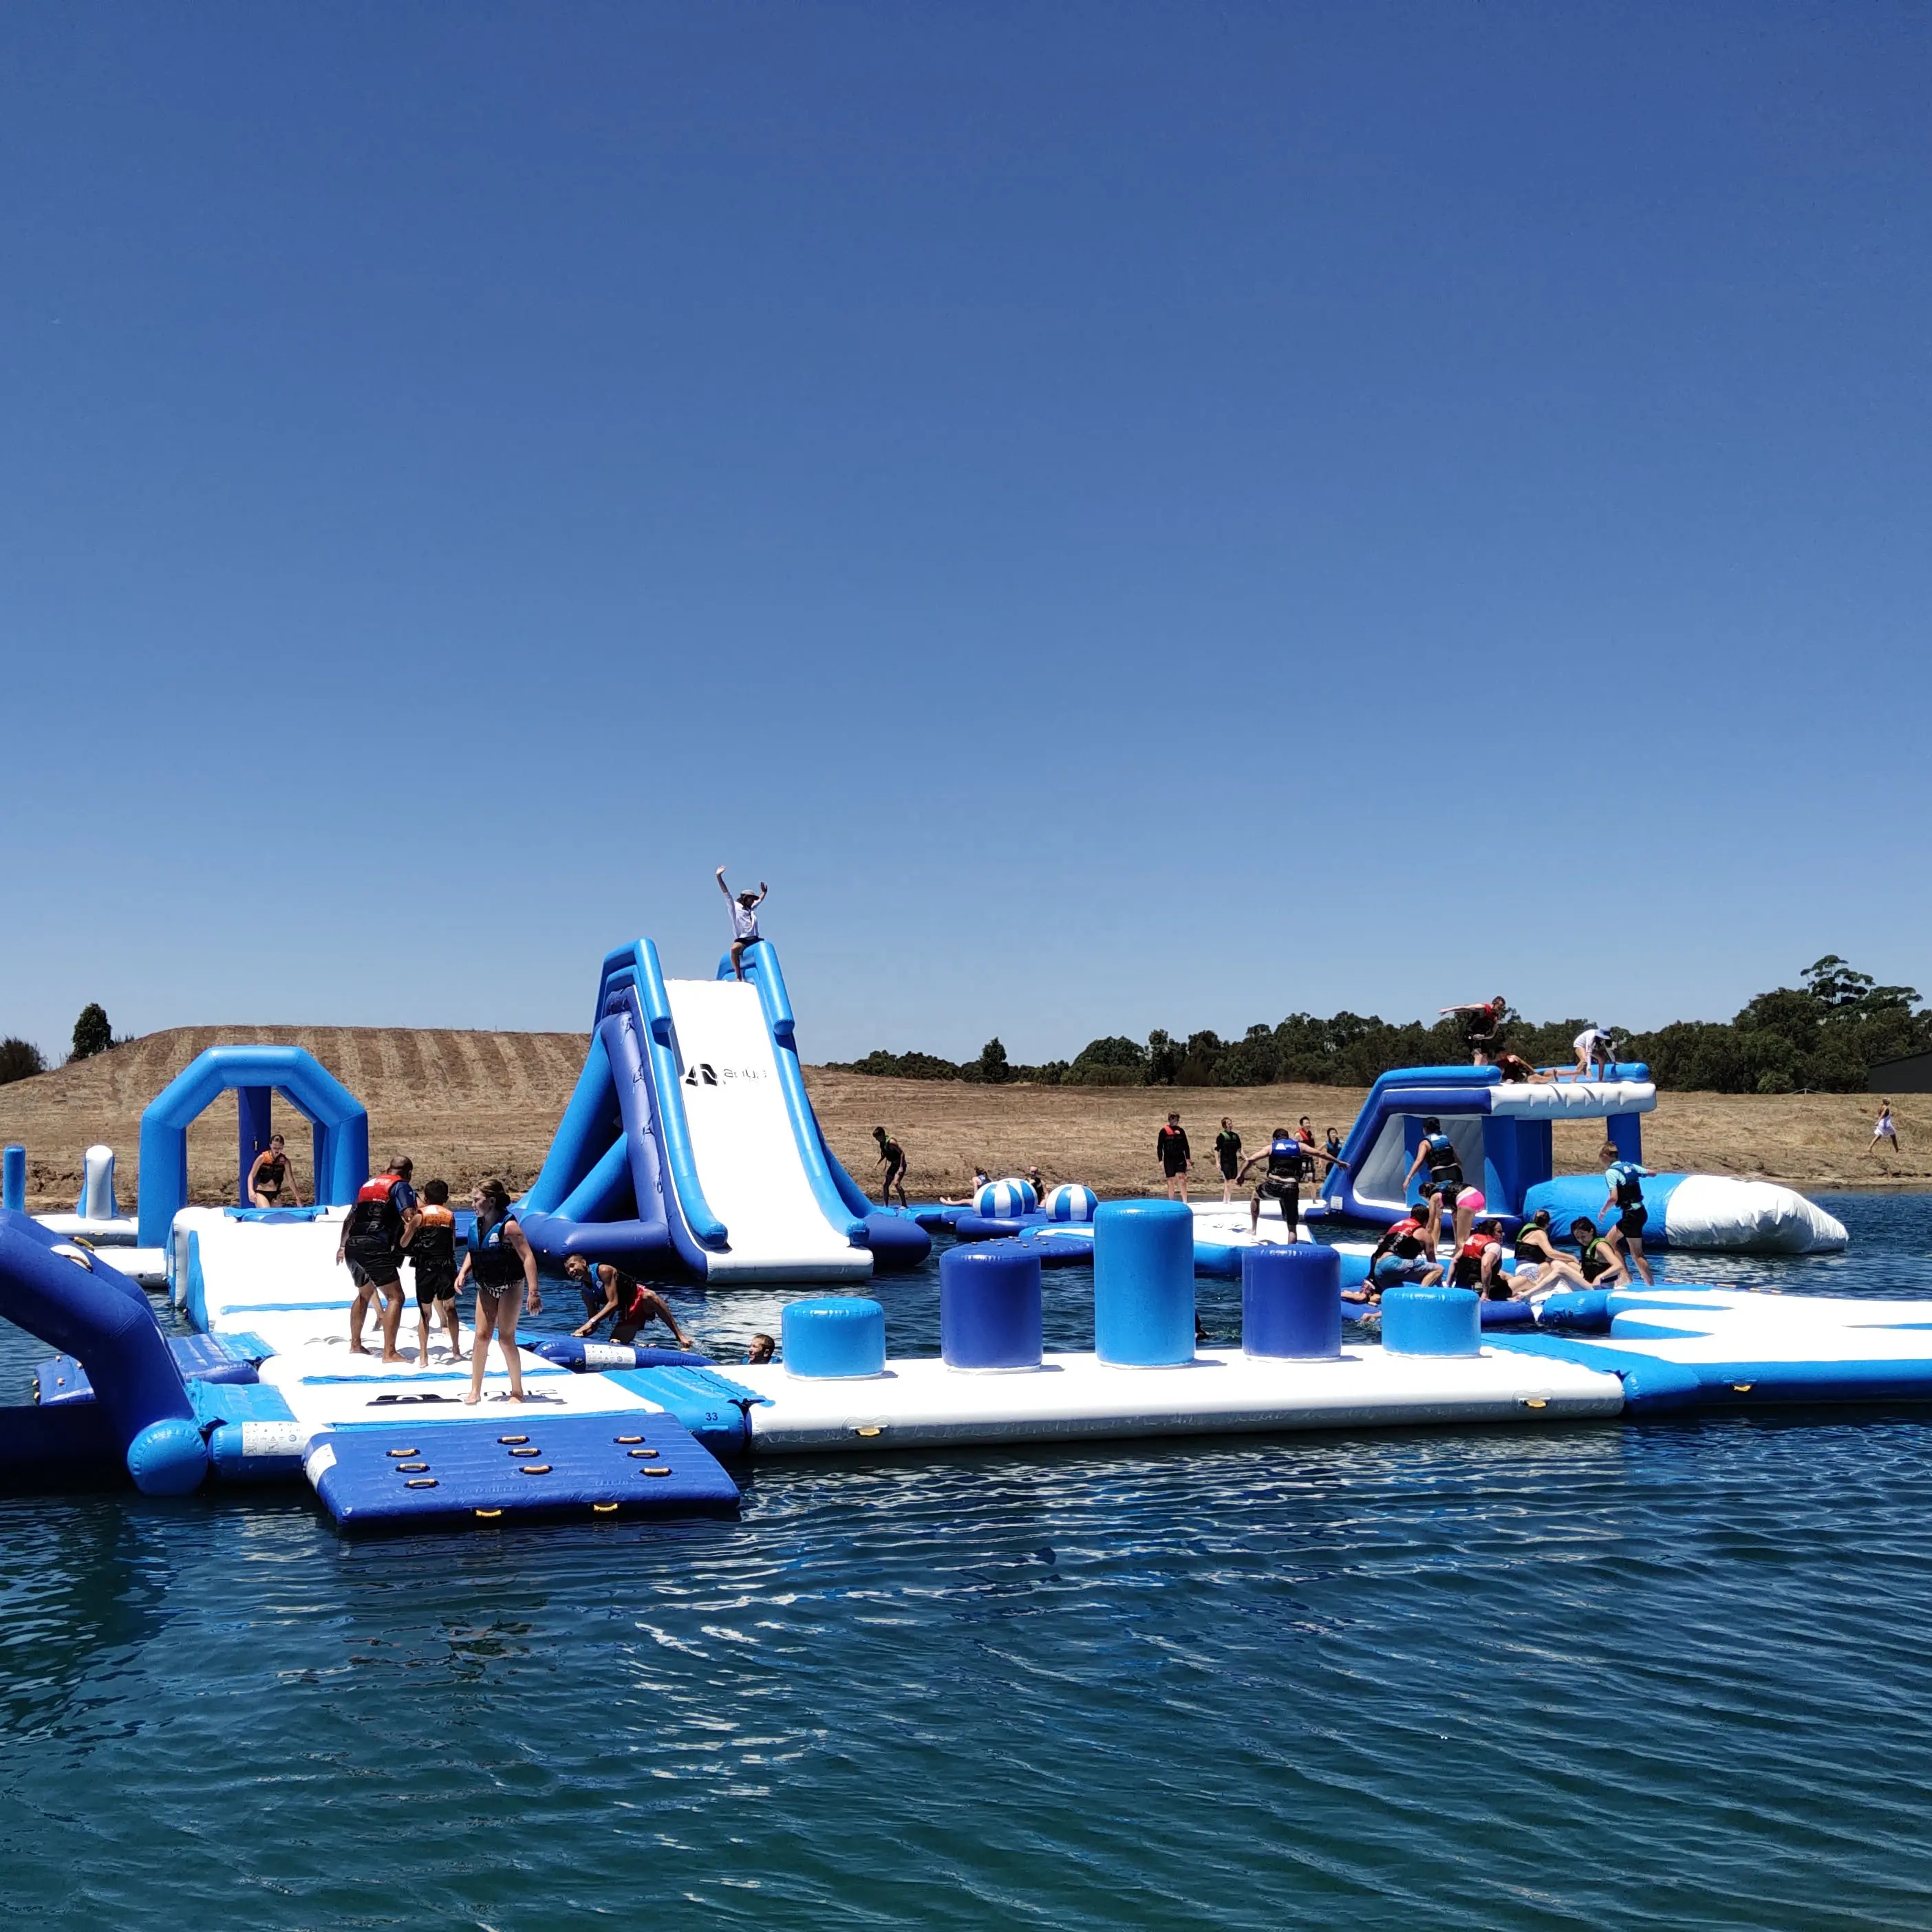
252, 1074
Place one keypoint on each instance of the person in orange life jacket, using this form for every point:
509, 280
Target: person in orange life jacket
1285, 1158
505, 1269
744, 920
1626, 1196
431, 1254
379, 1226
1596, 1259
1478, 1263
1483, 1028
269, 1176
608, 1290
1400, 1256
1445, 1185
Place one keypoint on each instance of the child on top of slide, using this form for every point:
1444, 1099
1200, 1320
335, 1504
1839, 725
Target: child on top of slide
744, 920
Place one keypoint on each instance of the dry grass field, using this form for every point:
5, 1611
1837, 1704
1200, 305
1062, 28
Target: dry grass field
468, 1105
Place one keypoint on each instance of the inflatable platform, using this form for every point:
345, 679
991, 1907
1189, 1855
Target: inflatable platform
1501, 1133
689, 1147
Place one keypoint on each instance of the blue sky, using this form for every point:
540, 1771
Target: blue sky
1125, 516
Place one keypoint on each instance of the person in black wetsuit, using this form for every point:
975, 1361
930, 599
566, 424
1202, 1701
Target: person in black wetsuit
1437, 1153
431, 1254
1482, 1026
893, 1155
1284, 1158
268, 1178
1228, 1156
1170, 1149
608, 1292
504, 1268
1626, 1179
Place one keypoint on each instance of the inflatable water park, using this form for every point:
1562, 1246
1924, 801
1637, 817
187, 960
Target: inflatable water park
690, 1152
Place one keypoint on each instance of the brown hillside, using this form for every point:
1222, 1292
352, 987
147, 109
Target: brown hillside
468, 1105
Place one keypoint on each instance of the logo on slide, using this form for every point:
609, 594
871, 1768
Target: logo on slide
704, 1067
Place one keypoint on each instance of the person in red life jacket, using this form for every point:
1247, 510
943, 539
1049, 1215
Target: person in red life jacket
380, 1225
609, 1292
504, 1267
1170, 1149
431, 1254
1483, 1029
1402, 1254
1479, 1263
744, 920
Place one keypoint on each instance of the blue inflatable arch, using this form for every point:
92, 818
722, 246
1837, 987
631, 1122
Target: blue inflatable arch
252, 1074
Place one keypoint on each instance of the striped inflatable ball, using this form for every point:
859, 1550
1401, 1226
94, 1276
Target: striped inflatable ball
1004, 1200
1071, 1202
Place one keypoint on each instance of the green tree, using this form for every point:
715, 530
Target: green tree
993, 1067
20, 1060
92, 1032
1164, 1056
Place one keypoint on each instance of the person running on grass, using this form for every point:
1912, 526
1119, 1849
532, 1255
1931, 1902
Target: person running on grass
504, 1268
893, 1155
744, 920
432, 1255
1283, 1157
1884, 1128
1170, 1149
1228, 1154
610, 1294
269, 1178
1626, 1179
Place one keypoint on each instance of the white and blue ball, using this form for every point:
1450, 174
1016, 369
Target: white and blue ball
1071, 1202
1005, 1200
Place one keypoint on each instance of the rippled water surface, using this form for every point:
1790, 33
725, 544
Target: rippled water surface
1608, 1676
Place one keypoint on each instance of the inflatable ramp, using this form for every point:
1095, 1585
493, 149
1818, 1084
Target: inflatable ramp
400, 1476
689, 1147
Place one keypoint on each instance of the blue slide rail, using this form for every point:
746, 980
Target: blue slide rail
87, 1309
341, 1125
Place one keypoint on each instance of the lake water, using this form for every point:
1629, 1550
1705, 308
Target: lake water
1607, 1675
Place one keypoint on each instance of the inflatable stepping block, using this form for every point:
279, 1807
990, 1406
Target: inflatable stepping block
514, 1468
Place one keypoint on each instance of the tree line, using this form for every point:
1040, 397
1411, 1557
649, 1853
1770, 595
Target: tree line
1823, 1036
21, 1059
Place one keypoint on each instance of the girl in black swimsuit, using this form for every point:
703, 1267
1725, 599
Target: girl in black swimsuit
269, 1176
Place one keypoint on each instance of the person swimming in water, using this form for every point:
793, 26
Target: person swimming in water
893, 1155
269, 1177
744, 920
763, 1349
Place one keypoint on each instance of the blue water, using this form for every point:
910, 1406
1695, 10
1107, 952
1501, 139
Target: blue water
1610, 1675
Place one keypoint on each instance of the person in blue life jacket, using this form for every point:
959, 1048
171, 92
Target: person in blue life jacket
1400, 1257
503, 1266
1283, 1158
611, 1294
1445, 1186
744, 919
1626, 1179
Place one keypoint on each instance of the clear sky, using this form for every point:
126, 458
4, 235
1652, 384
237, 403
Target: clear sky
1125, 516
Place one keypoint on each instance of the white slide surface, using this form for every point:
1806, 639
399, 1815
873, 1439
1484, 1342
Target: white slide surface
742, 1144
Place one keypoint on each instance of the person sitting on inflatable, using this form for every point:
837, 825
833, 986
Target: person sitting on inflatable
1400, 1257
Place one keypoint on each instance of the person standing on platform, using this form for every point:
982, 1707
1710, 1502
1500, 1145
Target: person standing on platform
268, 1178
1626, 1179
1443, 1188
744, 920
1228, 1154
1483, 1029
504, 1268
432, 1255
1285, 1156
375, 1231
1170, 1149
893, 1155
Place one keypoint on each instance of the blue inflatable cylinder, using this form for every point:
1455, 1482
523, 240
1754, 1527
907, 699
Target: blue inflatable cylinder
989, 1308
13, 1187
1291, 1301
1431, 1321
1143, 1284
837, 1338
